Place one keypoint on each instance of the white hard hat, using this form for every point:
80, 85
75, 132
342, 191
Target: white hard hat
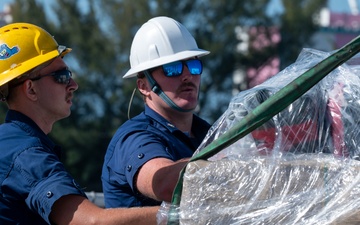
159, 41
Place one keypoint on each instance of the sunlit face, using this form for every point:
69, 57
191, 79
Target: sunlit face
182, 90
55, 99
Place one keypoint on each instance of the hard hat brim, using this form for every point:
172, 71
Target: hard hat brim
164, 60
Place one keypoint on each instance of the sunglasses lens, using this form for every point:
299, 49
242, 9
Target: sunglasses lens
62, 76
176, 68
173, 69
195, 66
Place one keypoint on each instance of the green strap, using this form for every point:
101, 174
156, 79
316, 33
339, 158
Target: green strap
265, 111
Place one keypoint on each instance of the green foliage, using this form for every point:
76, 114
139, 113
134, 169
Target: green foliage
29, 11
101, 35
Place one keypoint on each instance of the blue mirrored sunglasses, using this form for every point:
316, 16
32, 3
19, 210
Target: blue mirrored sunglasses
61, 76
175, 69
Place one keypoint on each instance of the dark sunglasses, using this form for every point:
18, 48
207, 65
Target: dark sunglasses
60, 76
175, 69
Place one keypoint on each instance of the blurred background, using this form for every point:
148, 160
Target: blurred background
249, 41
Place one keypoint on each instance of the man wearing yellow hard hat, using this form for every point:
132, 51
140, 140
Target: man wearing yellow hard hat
38, 88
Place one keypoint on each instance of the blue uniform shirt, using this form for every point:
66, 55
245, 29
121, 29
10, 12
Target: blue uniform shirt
137, 141
31, 176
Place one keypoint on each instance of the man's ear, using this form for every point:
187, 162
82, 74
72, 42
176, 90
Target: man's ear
29, 89
143, 86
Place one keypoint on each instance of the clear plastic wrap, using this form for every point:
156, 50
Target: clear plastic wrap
300, 167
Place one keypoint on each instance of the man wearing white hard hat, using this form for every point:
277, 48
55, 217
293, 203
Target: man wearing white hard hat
146, 154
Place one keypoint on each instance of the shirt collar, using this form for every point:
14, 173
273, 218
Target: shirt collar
27, 124
159, 119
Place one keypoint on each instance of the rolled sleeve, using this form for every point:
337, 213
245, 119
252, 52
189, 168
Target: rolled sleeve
135, 151
43, 196
42, 179
140, 156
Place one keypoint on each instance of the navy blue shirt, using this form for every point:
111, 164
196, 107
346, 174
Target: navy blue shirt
32, 177
137, 141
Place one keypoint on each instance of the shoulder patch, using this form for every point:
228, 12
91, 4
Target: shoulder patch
6, 52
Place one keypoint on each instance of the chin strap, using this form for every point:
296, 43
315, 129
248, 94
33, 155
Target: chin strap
157, 90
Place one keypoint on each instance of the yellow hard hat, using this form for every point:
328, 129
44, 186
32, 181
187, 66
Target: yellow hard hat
23, 47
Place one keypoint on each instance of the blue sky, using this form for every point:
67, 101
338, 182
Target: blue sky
339, 6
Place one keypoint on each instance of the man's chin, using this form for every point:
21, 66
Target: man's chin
188, 107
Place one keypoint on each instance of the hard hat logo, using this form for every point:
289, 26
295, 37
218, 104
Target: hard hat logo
6, 52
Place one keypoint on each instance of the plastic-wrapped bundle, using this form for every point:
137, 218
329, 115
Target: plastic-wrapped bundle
302, 189
298, 168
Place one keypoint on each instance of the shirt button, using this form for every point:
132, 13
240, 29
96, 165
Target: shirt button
128, 168
49, 194
141, 155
